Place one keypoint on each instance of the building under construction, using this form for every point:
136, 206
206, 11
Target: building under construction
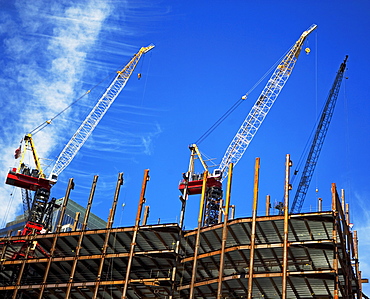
305, 255
289, 255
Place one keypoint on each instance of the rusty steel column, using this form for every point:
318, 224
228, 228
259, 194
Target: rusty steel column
89, 203
23, 265
107, 234
56, 234
335, 253
75, 222
253, 229
183, 200
115, 200
79, 242
197, 241
358, 272
146, 215
224, 232
136, 229
287, 187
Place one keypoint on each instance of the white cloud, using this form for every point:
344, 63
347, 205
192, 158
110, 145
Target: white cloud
44, 48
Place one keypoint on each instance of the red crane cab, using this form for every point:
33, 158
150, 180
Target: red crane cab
28, 179
195, 182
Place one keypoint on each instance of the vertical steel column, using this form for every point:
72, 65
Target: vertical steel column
89, 203
77, 219
21, 270
335, 253
343, 200
320, 204
183, 200
253, 229
232, 207
348, 219
79, 242
197, 241
146, 215
268, 205
220, 210
287, 187
136, 229
56, 234
224, 232
107, 234
115, 200
358, 272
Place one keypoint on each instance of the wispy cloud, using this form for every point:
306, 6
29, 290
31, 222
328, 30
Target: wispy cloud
44, 46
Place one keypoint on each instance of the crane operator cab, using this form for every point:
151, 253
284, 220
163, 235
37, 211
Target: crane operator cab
30, 178
194, 182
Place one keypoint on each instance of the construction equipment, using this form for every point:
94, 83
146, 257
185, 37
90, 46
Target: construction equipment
318, 140
245, 133
36, 180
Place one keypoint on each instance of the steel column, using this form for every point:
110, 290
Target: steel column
80, 238
287, 187
197, 242
59, 227
136, 229
224, 232
253, 228
21, 270
335, 253
268, 205
107, 235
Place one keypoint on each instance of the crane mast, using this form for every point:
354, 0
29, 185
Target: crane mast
96, 114
262, 106
318, 141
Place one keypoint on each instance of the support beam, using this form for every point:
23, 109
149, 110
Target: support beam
287, 188
59, 227
197, 242
136, 230
224, 233
253, 229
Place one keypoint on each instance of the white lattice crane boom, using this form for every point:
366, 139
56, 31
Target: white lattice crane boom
262, 106
96, 114
35, 179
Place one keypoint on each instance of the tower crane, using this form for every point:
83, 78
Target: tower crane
244, 135
41, 208
318, 140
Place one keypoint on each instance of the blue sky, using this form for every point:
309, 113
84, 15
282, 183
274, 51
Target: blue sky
207, 55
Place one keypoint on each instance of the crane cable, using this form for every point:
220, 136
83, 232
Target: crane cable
238, 102
49, 121
317, 120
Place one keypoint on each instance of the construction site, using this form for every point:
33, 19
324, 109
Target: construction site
293, 254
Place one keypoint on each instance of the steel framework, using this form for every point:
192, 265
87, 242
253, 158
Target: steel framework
307, 255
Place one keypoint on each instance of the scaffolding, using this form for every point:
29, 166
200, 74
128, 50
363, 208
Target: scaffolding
307, 255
